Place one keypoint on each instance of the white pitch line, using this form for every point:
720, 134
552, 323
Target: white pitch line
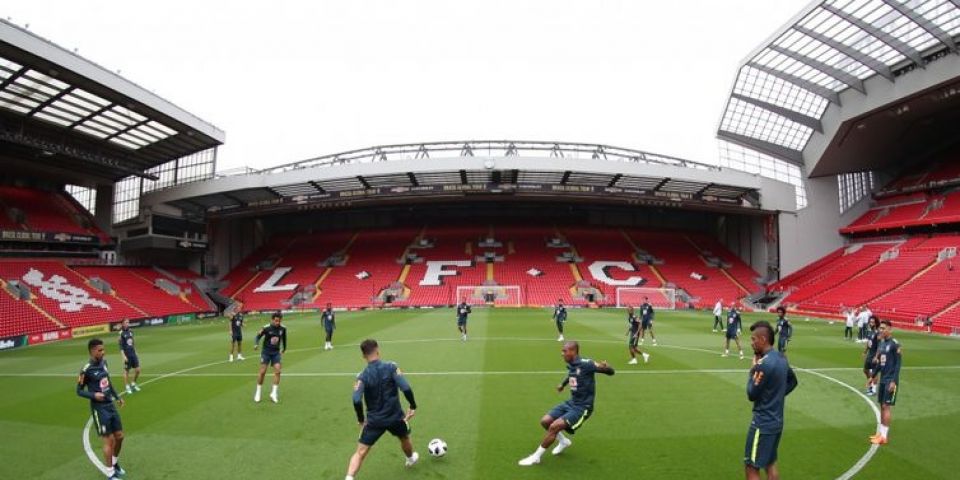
855, 469
465, 372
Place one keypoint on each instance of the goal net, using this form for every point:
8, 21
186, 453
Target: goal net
665, 298
498, 295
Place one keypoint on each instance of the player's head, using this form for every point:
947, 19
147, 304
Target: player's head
570, 350
125, 324
329, 305
761, 336
874, 322
276, 318
370, 349
886, 329
559, 301
630, 310
95, 347
781, 311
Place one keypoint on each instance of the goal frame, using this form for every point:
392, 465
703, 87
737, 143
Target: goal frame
669, 296
473, 298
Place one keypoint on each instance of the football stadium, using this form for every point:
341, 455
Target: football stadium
497, 276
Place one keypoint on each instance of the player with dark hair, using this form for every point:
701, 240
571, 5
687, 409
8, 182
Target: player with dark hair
274, 345
646, 321
870, 360
130, 359
377, 385
94, 384
236, 335
560, 317
771, 380
889, 359
633, 337
329, 325
463, 311
784, 330
733, 331
569, 416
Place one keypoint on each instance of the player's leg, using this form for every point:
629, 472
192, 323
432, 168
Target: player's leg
274, 392
737, 339
117, 445
136, 376
402, 430
356, 460
108, 442
726, 345
260, 375
126, 376
239, 342
560, 329
653, 335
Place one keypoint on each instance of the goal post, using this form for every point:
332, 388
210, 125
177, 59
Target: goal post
497, 295
664, 298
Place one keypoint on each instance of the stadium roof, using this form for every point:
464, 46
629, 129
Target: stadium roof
73, 110
456, 169
784, 87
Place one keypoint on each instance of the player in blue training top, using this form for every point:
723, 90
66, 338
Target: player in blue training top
463, 311
94, 384
274, 345
870, 361
377, 385
784, 330
633, 337
130, 359
560, 316
569, 416
888, 362
733, 330
329, 325
646, 321
771, 380
236, 335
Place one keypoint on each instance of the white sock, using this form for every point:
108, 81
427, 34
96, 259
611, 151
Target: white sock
274, 390
231, 357
539, 452
114, 460
110, 472
884, 430
349, 477
562, 438
259, 387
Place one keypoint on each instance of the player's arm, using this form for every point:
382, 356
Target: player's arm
113, 393
604, 368
792, 381
283, 340
256, 340
757, 381
897, 358
82, 391
405, 388
563, 384
358, 400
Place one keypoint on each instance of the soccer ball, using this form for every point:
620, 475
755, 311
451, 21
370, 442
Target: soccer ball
437, 447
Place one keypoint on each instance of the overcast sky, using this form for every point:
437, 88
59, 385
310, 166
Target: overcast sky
289, 80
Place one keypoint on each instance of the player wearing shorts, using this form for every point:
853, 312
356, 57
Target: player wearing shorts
569, 416
733, 331
130, 359
784, 330
329, 325
770, 381
560, 317
377, 386
236, 335
870, 355
633, 337
274, 345
94, 384
646, 321
463, 311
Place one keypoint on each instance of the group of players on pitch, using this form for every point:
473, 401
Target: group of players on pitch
770, 379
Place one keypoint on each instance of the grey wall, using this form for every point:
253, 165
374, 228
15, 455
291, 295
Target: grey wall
812, 232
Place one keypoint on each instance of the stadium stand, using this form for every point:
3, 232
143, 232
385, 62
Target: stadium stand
530, 253
140, 287
44, 212
374, 252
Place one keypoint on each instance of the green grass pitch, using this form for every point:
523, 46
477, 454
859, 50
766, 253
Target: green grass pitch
683, 415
